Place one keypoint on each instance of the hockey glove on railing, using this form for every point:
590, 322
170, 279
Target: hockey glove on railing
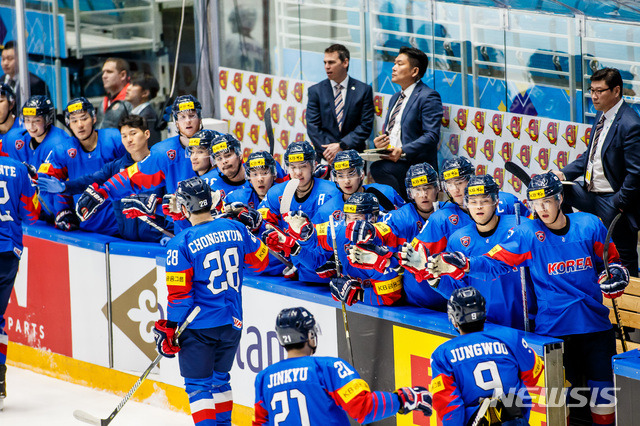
139, 205
290, 273
66, 220
415, 398
170, 207
369, 256
614, 286
453, 264
300, 226
249, 217
90, 200
50, 184
164, 332
328, 270
346, 290
280, 242
360, 231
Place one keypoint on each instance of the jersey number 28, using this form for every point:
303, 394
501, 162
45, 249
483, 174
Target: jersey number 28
229, 262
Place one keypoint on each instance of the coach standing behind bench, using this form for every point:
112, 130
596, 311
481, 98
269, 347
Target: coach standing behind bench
610, 166
413, 122
340, 108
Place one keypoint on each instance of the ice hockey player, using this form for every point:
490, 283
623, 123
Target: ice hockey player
229, 173
348, 174
504, 294
565, 256
205, 267
310, 195
85, 153
482, 365
8, 107
167, 165
323, 390
19, 205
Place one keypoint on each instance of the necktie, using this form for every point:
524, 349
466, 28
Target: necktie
395, 112
594, 148
339, 103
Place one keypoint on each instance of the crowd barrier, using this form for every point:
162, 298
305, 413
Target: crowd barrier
84, 305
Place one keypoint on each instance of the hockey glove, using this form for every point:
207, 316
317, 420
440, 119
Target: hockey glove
360, 231
618, 280
346, 290
322, 171
170, 207
415, 398
66, 220
139, 205
328, 270
290, 273
453, 264
90, 200
369, 256
416, 260
33, 173
249, 217
164, 332
300, 226
280, 242
50, 184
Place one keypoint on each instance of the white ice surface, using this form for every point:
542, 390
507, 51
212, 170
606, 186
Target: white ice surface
38, 400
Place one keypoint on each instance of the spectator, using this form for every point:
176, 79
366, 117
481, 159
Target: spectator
412, 126
140, 91
610, 166
11, 75
340, 108
115, 79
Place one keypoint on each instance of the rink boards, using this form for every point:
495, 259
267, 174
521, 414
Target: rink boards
86, 304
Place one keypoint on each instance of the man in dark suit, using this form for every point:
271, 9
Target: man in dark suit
340, 108
141, 90
412, 126
9, 65
610, 166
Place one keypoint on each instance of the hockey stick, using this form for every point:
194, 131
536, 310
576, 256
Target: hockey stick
518, 172
269, 130
385, 203
88, 418
339, 274
482, 411
154, 225
523, 279
605, 254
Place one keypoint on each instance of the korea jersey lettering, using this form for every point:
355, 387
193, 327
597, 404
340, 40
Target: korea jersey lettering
469, 367
321, 192
318, 391
504, 293
335, 206
205, 267
18, 204
71, 161
379, 288
564, 271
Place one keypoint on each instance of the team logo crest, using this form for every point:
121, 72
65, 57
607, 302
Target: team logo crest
552, 132
540, 235
283, 87
223, 76
454, 219
251, 204
471, 146
72, 152
252, 84
171, 154
488, 149
19, 144
446, 116
419, 225
454, 144
238, 130
237, 81
336, 214
465, 241
478, 121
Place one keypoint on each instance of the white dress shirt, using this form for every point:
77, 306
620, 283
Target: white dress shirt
595, 170
395, 134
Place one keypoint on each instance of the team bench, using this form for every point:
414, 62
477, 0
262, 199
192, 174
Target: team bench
629, 309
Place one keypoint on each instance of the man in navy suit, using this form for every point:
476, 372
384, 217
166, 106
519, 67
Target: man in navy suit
610, 166
412, 126
340, 108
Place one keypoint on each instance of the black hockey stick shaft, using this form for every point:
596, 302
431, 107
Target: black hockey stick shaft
85, 417
385, 203
605, 254
347, 333
269, 130
518, 172
523, 280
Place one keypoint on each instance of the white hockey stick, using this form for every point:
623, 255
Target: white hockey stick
523, 280
83, 416
482, 411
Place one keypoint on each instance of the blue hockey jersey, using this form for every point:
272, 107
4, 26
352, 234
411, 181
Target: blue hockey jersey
318, 391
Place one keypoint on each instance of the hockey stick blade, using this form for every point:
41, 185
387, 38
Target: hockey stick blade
269, 130
287, 195
518, 172
88, 418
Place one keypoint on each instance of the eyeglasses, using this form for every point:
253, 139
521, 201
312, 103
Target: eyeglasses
598, 91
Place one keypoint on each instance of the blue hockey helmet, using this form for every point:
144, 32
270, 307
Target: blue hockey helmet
7, 92
195, 194
421, 174
39, 106
186, 103
203, 138
345, 160
544, 185
482, 185
296, 325
457, 167
260, 160
225, 143
298, 152
362, 203
78, 104
466, 305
